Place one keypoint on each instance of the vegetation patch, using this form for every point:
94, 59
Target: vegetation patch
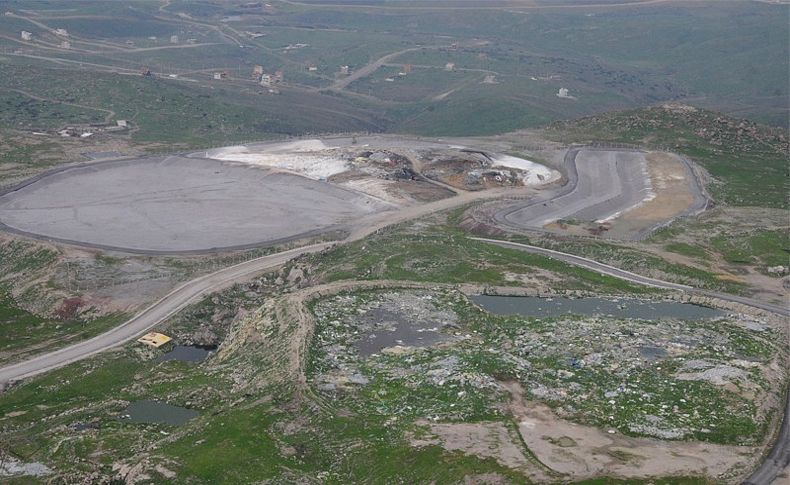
645, 378
431, 251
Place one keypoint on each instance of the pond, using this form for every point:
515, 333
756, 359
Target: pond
147, 411
618, 308
393, 328
187, 353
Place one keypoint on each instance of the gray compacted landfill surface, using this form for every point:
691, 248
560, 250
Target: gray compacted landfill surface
607, 182
172, 204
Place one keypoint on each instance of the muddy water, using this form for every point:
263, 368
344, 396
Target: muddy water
398, 334
147, 411
187, 353
393, 329
619, 308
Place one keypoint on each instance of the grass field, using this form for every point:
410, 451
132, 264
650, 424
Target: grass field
25, 334
642, 261
185, 115
24, 113
734, 59
440, 253
759, 249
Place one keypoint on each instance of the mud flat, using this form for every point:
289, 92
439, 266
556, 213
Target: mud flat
177, 204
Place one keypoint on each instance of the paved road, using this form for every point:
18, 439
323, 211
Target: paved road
634, 277
778, 458
161, 310
193, 290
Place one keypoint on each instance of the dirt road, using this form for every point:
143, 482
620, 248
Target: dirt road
778, 459
193, 290
159, 311
633, 277
362, 227
110, 114
367, 70
480, 6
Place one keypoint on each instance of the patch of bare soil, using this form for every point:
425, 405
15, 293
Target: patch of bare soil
485, 440
672, 185
467, 171
581, 452
730, 222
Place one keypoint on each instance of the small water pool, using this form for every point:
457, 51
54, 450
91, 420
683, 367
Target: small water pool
148, 411
187, 353
619, 308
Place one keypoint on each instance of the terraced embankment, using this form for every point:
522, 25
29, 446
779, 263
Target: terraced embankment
605, 187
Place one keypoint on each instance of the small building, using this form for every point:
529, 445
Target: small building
278, 76
450, 66
405, 70
564, 93
154, 339
122, 123
62, 32
312, 68
257, 72
267, 80
174, 39
27, 35
145, 71
220, 75
345, 70
65, 45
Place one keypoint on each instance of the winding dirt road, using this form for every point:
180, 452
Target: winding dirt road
193, 290
171, 304
622, 274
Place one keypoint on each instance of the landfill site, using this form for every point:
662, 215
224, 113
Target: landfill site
370, 303
268, 193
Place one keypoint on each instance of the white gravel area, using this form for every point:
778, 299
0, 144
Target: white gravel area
309, 158
534, 173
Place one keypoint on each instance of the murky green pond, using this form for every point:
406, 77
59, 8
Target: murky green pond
147, 411
187, 353
618, 308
